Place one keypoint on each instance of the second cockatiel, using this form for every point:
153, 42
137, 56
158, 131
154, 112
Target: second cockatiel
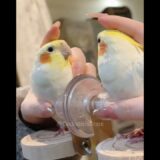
51, 71
120, 65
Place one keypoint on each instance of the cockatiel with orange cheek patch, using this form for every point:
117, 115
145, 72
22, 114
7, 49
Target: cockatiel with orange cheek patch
51, 71
121, 66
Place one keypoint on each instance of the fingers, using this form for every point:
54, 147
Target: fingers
33, 110
79, 65
78, 61
52, 34
90, 69
77, 58
129, 26
132, 109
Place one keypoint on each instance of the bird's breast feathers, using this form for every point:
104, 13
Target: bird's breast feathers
121, 71
48, 83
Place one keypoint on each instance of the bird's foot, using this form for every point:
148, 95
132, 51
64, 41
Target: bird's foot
61, 131
135, 136
136, 140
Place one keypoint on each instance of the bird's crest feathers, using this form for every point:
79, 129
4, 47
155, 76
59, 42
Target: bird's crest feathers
116, 33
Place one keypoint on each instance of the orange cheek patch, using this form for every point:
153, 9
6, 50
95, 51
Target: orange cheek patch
102, 49
45, 58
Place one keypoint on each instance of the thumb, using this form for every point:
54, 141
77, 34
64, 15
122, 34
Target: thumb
78, 61
32, 109
52, 34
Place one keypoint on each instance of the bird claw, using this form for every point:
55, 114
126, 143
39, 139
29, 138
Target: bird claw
134, 136
61, 131
136, 140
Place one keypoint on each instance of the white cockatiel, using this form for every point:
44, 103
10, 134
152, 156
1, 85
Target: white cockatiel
121, 69
120, 65
51, 73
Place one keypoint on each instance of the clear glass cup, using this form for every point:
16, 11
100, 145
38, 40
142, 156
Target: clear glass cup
83, 95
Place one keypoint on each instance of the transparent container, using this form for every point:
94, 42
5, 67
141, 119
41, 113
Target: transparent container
83, 95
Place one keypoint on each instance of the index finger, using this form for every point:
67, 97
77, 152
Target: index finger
78, 61
131, 27
52, 34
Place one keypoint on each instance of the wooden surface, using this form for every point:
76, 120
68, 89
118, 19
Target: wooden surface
120, 149
42, 145
102, 130
47, 145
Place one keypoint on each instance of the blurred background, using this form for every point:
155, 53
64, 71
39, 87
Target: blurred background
34, 18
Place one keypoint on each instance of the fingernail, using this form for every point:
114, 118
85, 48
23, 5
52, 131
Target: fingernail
57, 23
105, 113
95, 19
49, 109
91, 17
46, 111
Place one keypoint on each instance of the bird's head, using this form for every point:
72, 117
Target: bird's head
110, 40
55, 54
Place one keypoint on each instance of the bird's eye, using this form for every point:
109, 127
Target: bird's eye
50, 49
98, 40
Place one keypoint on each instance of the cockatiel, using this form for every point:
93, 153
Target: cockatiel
120, 65
51, 71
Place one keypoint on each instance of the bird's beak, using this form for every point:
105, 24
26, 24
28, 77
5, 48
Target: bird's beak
70, 59
45, 58
66, 51
102, 47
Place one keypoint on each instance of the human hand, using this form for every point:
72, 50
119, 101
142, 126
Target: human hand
133, 28
36, 111
131, 109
